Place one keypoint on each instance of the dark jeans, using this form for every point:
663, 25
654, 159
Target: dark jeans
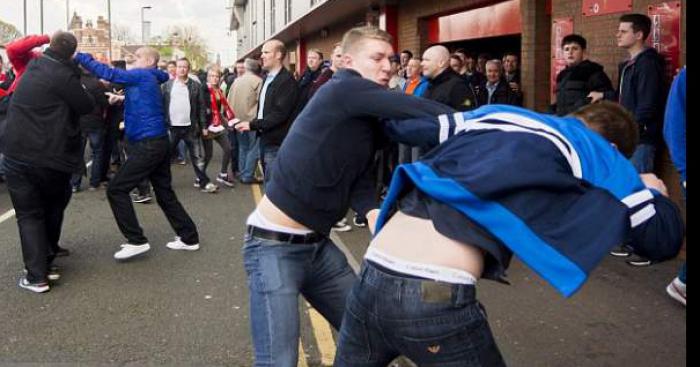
148, 159
96, 139
39, 196
233, 143
433, 324
225, 145
184, 134
268, 154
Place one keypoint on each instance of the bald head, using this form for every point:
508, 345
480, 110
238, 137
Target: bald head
435, 60
146, 57
273, 53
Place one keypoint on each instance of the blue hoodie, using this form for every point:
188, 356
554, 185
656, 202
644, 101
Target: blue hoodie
143, 106
674, 123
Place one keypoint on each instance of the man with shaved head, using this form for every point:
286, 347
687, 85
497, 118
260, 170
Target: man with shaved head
149, 153
446, 86
277, 101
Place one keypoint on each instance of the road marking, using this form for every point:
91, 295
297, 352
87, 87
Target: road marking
302, 356
11, 213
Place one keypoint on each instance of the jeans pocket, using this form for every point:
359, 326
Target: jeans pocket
353, 342
263, 269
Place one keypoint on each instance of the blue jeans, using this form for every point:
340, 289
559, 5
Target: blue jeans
643, 158
268, 153
433, 324
248, 154
233, 142
96, 140
278, 273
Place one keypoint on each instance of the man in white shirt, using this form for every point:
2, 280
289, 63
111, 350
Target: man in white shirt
185, 105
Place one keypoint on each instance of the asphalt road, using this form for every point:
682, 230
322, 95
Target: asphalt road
191, 309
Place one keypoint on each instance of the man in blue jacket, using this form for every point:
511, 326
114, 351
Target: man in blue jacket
556, 192
149, 153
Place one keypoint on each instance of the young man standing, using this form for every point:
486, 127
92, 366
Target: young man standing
641, 87
149, 153
324, 167
556, 192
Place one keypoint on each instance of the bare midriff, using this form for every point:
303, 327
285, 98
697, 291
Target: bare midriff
275, 215
416, 240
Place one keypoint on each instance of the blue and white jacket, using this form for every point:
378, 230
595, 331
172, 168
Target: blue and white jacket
551, 190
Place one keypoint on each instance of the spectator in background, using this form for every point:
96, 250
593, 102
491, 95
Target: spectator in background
511, 70
396, 83
675, 136
641, 87
579, 79
416, 84
496, 90
243, 98
92, 129
218, 114
474, 78
456, 64
406, 56
446, 86
327, 73
171, 68
278, 98
314, 63
481, 62
49, 100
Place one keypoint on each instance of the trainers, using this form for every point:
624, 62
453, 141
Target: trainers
182, 162
622, 251
223, 178
638, 261
143, 199
74, 189
676, 289
196, 183
38, 287
359, 221
179, 245
341, 226
129, 251
93, 188
52, 274
210, 188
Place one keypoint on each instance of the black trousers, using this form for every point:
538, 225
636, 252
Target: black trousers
39, 196
148, 159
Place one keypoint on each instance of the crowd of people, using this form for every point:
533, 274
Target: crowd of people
435, 154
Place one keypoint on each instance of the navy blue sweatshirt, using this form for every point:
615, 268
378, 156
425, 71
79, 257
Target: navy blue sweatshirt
324, 165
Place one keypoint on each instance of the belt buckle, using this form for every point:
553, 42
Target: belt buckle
436, 292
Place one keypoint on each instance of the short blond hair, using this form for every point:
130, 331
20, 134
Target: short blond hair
151, 53
355, 36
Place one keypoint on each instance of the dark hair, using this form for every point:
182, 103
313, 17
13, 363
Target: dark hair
171, 62
410, 54
511, 53
189, 64
395, 59
456, 57
613, 122
574, 38
63, 44
640, 23
485, 56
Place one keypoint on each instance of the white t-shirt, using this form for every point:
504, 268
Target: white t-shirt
180, 104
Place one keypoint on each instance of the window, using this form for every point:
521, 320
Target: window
273, 7
287, 11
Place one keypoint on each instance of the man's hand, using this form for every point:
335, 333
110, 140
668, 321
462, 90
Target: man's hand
114, 98
205, 132
372, 216
652, 182
595, 96
242, 126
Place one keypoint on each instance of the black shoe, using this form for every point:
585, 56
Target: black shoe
622, 251
359, 221
252, 181
62, 252
638, 261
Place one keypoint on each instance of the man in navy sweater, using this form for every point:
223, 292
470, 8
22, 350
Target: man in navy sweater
323, 168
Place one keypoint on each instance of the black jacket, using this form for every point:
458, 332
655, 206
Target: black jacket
642, 90
42, 121
450, 89
197, 104
325, 164
280, 101
503, 95
576, 82
95, 120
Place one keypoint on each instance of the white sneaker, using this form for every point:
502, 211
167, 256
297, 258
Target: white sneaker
341, 226
129, 251
676, 289
40, 287
179, 245
210, 188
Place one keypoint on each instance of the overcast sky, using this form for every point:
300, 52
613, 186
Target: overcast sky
210, 16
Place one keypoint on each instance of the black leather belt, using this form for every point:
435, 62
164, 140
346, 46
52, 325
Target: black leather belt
284, 237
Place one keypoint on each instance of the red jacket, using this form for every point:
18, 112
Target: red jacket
20, 53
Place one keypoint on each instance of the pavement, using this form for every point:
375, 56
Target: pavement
171, 308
